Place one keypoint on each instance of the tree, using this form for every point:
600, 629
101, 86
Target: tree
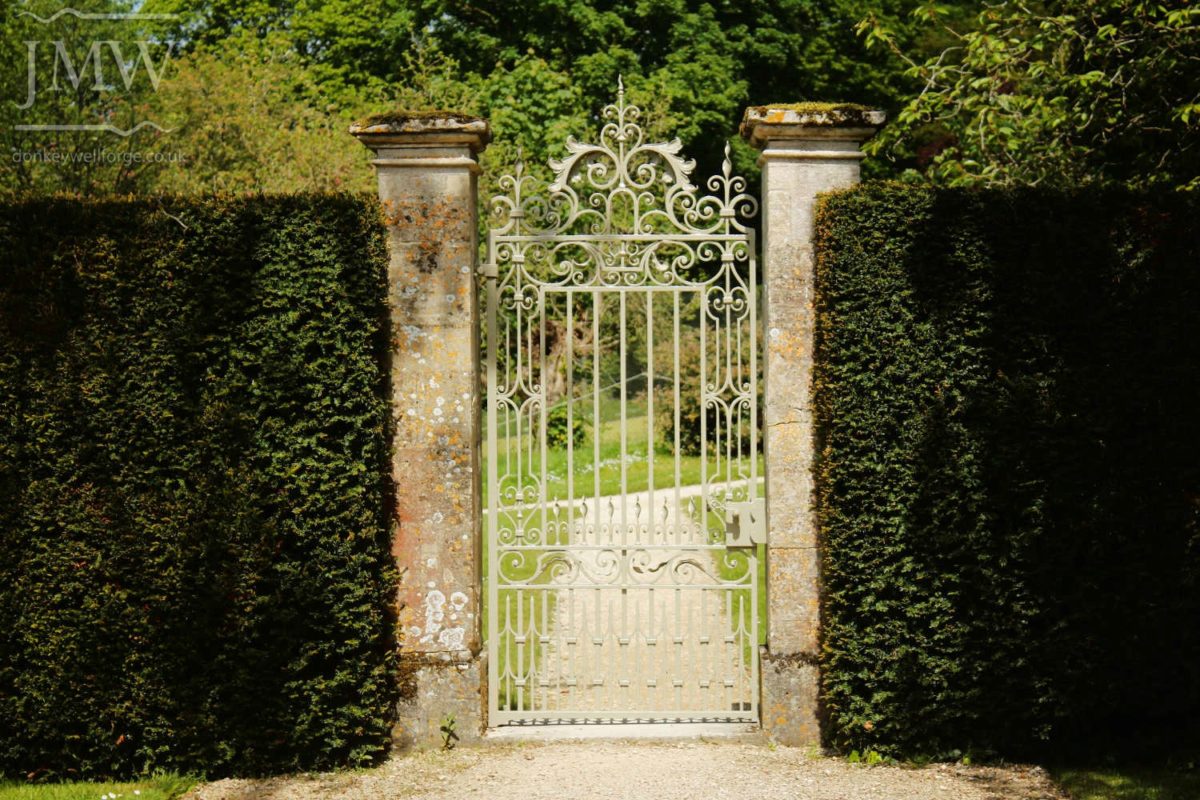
537, 69
692, 65
253, 118
698, 63
1103, 91
82, 73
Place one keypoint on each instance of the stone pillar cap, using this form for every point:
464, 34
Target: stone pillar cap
761, 124
423, 128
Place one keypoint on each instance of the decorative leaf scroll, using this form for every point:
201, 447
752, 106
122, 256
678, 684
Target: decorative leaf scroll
607, 598
621, 212
624, 567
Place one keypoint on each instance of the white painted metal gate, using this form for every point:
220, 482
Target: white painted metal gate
624, 513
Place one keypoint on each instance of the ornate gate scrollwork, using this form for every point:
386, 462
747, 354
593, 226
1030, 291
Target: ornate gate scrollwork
623, 469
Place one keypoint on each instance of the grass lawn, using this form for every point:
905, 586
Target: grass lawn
1129, 783
525, 456
536, 611
162, 787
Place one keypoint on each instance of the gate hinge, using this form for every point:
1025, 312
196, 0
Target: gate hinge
489, 271
746, 523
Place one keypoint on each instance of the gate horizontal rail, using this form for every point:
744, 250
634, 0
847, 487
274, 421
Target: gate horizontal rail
601, 608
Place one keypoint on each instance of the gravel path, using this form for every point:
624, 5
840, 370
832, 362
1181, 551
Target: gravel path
607, 770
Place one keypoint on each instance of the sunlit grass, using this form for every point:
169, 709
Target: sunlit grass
161, 787
1129, 783
522, 615
624, 467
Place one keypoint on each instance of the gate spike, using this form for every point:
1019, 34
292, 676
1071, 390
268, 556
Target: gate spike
610, 568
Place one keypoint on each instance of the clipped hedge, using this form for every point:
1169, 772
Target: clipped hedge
1008, 388
194, 568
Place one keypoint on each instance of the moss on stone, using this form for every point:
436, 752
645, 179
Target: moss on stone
831, 115
809, 114
815, 108
403, 116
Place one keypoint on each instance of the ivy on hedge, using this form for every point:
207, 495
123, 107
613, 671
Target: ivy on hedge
194, 568
1008, 390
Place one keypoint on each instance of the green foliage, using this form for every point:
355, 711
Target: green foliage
246, 110
449, 735
692, 65
715, 417
258, 95
159, 787
194, 534
254, 89
1129, 783
252, 116
870, 758
1006, 390
559, 430
59, 101
690, 440
1083, 90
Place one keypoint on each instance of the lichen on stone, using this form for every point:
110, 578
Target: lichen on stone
811, 113
402, 116
812, 107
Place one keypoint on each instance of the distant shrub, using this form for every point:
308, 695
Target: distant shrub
559, 429
720, 424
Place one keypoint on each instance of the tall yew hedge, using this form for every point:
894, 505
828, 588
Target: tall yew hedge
194, 568
1008, 388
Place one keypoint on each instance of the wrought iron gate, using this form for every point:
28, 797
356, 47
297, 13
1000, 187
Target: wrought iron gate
623, 498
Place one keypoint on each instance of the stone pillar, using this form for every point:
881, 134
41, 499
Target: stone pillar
427, 182
806, 149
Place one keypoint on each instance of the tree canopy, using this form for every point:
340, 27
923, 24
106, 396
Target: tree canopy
1091, 91
257, 95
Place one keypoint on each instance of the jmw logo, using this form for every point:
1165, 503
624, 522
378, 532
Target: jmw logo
76, 74
104, 63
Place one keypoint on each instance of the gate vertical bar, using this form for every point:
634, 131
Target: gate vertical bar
622, 222
427, 168
493, 480
804, 152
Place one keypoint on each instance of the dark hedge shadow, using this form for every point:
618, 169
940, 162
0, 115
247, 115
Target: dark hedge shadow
1008, 392
195, 557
